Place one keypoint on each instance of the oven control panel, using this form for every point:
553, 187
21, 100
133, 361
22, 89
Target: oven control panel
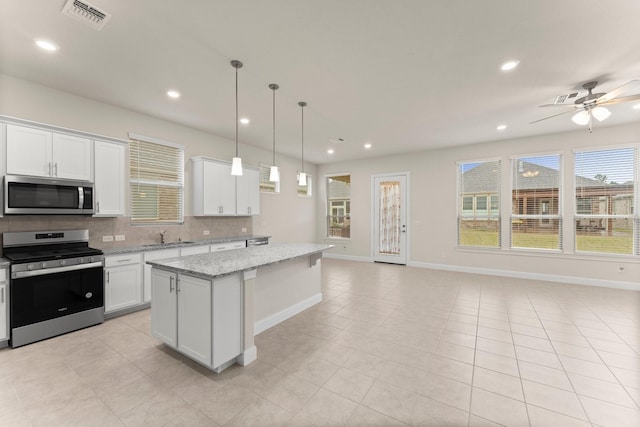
57, 265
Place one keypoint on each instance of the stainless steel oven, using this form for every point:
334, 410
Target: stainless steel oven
56, 283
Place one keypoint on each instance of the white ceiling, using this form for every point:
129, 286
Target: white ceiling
403, 75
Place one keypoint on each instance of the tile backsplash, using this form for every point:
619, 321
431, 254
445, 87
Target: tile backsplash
193, 228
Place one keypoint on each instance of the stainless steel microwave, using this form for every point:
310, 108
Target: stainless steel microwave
26, 195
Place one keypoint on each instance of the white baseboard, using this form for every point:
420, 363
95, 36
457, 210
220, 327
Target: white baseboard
346, 257
532, 276
281, 316
248, 355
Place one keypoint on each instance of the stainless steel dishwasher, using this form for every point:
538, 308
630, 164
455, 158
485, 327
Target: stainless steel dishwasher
258, 241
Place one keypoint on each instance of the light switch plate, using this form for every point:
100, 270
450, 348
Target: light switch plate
205, 233
119, 237
244, 229
107, 238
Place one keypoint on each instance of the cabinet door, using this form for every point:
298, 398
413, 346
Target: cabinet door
227, 319
219, 188
122, 287
152, 256
72, 157
29, 151
228, 246
4, 331
194, 318
110, 178
248, 192
164, 310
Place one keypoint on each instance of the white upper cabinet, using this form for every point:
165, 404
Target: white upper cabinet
72, 157
39, 152
248, 192
110, 178
217, 192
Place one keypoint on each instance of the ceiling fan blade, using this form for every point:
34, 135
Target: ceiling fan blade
550, 117
559, 105
628, 86
621, 100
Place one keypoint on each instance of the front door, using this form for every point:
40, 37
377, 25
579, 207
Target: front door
390, 218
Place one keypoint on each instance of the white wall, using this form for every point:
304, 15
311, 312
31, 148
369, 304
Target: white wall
432, 228
285, 216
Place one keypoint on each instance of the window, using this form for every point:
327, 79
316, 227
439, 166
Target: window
536, 220
156, 181
479, 204
605, 199
305, 190
267, 186
339, 203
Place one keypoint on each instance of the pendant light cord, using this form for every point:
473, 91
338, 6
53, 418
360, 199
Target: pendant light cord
274, 87
302, 104
236, 112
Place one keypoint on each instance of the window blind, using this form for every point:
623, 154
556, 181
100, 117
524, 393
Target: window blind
606, 216
156, 182
267, 186
479, 203
536, 215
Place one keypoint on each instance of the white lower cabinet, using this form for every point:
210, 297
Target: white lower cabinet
194, 250
123, 282
200, 318
4, 303
152, 256
227, 246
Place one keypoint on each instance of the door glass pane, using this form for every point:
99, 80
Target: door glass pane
389, 226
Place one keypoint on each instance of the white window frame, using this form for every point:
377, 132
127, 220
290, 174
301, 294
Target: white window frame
328, 212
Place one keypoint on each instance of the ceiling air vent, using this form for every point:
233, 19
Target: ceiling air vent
84, 12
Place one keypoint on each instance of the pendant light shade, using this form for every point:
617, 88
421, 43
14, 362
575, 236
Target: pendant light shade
302, 176
274, 173
236, 165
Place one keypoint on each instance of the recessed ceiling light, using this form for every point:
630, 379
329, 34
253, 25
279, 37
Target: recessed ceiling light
636, 107
244, 121
509, 65
501, 127
367, 145
47, 45
173, 94
330, 151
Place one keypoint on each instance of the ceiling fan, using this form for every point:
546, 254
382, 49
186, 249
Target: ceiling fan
585, 104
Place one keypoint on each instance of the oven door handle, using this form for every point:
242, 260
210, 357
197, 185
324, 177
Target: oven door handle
22, 274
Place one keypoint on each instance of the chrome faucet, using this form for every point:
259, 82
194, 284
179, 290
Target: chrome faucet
162, 237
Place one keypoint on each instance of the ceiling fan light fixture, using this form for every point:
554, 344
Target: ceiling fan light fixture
600, 113
581, 118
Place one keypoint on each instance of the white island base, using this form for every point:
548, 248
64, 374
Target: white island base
212, 318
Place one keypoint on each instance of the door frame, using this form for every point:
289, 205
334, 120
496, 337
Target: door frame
407, 175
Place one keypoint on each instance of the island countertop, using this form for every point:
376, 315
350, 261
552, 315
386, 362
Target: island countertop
211, 265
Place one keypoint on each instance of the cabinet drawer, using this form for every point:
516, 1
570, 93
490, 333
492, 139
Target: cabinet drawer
116, 260
228, 245
3, 275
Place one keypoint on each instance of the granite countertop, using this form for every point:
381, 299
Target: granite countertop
209, 266
4, 263
171, 245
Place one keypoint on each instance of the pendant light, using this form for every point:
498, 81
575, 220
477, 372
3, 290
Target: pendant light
274, 173
302, 176
236, 165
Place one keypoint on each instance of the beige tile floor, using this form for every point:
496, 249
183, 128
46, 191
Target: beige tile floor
389, 346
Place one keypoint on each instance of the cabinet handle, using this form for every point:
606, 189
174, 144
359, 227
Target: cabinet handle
108, 277
177, 285
171, 284
49, 173
2, 296
55, 167
220, 209
124, 260
97, 207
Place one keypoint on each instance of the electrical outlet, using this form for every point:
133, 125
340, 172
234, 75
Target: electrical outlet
621, 268
107, 238
244, 229
205, 233
119, 237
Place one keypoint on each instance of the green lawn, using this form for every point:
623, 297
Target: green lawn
622, 244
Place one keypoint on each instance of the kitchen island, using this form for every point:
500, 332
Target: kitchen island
209, 306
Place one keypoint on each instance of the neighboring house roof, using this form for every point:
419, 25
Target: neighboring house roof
339, 189
483, 179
